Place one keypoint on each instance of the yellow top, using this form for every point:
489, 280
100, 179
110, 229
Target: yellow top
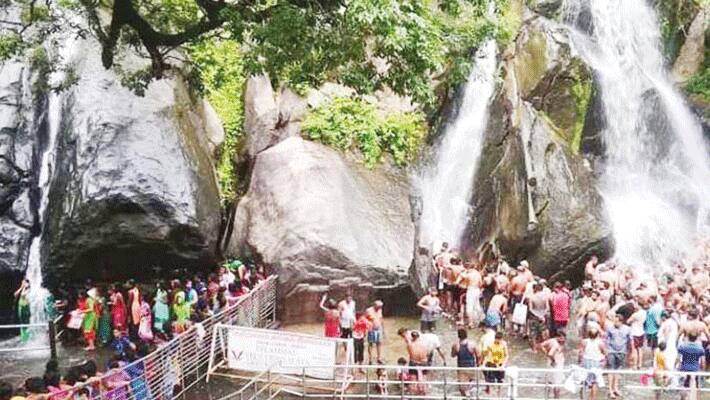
660, 360
495, 354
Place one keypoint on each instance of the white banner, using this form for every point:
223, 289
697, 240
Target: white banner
252, 349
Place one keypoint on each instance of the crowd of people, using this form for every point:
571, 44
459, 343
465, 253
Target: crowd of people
623, 318
130, 320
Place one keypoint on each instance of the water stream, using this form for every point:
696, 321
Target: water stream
446, 185
656, 173
37, 293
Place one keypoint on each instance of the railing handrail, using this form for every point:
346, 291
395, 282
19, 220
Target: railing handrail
510, 368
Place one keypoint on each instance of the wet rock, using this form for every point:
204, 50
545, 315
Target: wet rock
692, 53
20, 124
553, 78
318, 217
547, 8
134, 186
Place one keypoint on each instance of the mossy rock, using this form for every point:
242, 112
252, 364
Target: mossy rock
555, 81
548, 8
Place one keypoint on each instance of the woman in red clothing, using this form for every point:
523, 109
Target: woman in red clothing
332, 317
118, 310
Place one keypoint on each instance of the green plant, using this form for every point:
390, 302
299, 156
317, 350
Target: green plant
220, 69
699, 84
352, 123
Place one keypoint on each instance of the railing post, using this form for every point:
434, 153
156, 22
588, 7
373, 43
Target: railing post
52, 339
303, 382
478, 383
444, 371
270, 383
367, 383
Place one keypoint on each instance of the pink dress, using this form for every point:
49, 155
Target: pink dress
118, 312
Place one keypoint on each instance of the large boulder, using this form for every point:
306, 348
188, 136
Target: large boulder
534, 196
319, 218
134, 185
20, 130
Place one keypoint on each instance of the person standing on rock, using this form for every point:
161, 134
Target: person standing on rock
377, 332
119, 313
431, 308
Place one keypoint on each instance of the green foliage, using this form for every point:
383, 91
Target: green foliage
221, 72
10, 45
675, 17
364, 44
351, 123
582, 93
699, 84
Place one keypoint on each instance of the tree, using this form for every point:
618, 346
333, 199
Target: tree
365, 44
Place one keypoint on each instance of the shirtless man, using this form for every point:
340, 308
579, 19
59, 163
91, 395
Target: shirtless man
497, 309
698, 280
554, 349
517, 289
376, 334
470, 280
590, 269
538, 310
693, 326
454, 292
418, 357
440, 262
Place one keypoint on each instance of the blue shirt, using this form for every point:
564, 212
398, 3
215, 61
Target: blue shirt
690, 355
617, 339
653, 315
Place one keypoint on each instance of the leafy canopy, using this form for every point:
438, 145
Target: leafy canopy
365, 44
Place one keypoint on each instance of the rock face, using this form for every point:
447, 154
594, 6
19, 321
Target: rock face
320, 219
534, 196
692, 53
17, 140
270, 117
134, 185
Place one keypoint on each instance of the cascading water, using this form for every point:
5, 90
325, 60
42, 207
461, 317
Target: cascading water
37, 292
446, 186
656, 174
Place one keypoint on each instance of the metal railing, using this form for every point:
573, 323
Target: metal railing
179, 364
36, 328
384, 382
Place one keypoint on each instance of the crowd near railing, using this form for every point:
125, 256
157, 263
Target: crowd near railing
367, 382
181, 363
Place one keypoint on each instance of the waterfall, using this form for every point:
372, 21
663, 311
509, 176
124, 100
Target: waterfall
446, 185
656, 171
37, 293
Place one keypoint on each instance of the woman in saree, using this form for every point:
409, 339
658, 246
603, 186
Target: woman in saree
181, 309
23, 309
134, 302
145, 328
105, 329
161, 310
91, 321
119, 313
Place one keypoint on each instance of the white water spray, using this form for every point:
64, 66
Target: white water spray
38, 293
656, 176
446, 186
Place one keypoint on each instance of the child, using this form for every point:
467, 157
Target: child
404, 376
381, 385
660, 378
360, 328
